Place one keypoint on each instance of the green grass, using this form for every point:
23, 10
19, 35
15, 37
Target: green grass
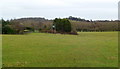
88, 49
0, 51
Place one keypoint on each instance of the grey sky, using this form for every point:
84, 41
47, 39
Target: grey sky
88, 9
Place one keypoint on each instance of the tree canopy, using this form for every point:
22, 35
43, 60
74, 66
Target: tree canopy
62, 25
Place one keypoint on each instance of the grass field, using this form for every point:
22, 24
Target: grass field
0, 51
88, 49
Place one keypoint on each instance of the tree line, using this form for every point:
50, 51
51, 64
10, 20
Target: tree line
26, 25
95, 26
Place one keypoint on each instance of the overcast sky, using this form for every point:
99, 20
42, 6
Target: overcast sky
88, 9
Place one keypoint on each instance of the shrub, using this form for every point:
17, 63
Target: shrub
8, 30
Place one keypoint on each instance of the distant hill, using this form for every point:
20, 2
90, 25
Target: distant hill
78, 24
84, 20
35, 23
32, 19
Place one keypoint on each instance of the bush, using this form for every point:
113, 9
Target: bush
29, 28
8, 30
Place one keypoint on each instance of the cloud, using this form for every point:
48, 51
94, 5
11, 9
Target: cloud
93, 9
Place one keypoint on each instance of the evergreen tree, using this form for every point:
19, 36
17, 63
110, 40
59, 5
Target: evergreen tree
62, 25
6, 28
